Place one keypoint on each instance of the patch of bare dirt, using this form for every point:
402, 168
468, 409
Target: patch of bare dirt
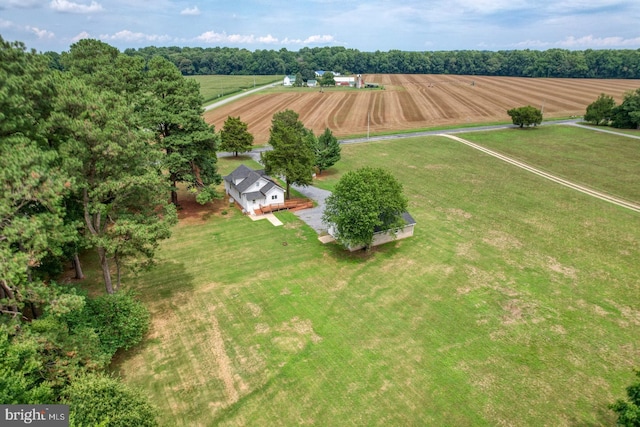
192, 212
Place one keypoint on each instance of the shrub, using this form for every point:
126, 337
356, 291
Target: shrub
120, 320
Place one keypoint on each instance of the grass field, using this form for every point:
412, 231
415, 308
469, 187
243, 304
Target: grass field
515, 303
216, 87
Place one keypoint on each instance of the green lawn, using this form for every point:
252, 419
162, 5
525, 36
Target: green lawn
515, 303
606, 162
216, 87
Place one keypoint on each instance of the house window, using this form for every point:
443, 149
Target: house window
274, 197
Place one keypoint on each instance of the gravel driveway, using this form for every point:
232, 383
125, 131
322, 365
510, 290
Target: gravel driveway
313, 216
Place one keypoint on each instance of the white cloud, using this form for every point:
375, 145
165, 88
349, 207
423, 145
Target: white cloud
268, 39
130, 36
82, 35
24, 4
598, 42
71, 7
212, 37
42, 34
580, 43
319, 39
4, 24
191, 11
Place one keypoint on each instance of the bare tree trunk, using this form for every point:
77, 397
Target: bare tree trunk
8, 293
174, 194
106, 273
288, 195
117, 261
76, 265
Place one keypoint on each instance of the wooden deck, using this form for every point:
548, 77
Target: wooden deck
292, 205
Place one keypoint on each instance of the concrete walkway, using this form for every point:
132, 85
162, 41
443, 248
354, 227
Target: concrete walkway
270, 217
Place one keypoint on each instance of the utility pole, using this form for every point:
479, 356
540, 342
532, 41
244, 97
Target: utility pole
368, 114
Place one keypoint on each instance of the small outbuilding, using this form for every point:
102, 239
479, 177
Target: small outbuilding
384, 236
253, 189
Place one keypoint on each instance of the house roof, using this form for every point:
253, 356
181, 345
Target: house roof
250, 177
241, 172
408, 218
254, 195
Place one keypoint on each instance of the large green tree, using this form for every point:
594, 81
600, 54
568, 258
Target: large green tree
32, 185
628, 410
600, 111
525, 116
327, 79
235, 136
627, 114
174, 112
292, 155
327, 151
364, 201
116, 173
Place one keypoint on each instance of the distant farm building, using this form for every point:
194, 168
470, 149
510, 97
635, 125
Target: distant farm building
289, 80
345, 81
312, 83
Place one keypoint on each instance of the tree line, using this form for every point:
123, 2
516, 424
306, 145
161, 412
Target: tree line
91, 158
590, 63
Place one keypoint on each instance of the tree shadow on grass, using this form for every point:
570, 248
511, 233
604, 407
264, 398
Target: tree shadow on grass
339, 253
604, 417
165, 282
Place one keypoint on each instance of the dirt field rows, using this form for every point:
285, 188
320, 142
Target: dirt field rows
418, 101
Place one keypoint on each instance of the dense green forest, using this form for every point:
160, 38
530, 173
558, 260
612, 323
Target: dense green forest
623, 64
90, 158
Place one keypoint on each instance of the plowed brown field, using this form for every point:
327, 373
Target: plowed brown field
419, 101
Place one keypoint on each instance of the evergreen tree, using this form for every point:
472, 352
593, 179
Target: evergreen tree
175, 114
292, 155
327, 151
116, 174
31, 213
235, 137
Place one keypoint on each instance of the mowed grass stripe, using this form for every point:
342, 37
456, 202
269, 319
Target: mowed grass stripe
602, 161
515, 303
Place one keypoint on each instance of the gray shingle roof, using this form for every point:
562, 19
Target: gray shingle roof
408, 218
249, 177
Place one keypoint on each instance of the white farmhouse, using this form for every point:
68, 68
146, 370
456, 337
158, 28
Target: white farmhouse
252, 189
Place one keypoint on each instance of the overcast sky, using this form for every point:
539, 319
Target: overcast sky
372, 25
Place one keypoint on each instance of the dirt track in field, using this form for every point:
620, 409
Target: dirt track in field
412, 101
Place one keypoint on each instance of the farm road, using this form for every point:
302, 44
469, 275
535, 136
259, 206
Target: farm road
580, 188
235, 97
